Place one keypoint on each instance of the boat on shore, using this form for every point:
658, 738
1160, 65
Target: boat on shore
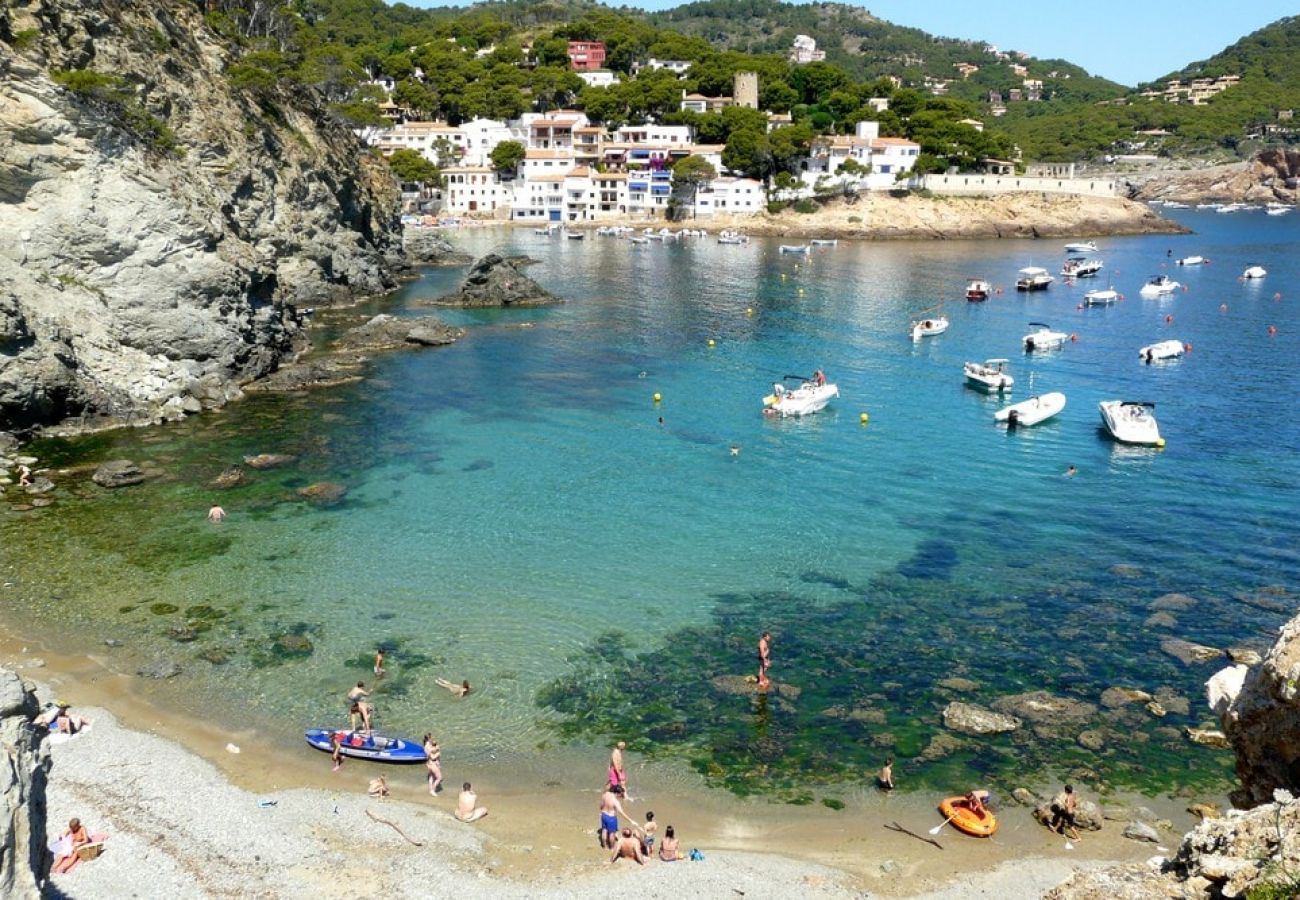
1033, 278
1131, 422
808, 397
796, 248
1081, 247
966, 820
929, 327
373, 747
1159, 286
990, 375
1044, 338
1162, 350
1101, 297
1036, 409
978, 290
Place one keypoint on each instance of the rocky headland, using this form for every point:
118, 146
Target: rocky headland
1271, 177
163, 229
495, 280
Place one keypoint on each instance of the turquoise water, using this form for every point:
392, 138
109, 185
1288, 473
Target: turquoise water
515, 497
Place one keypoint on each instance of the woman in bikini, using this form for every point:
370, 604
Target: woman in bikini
76, 836
460, 690
433, 762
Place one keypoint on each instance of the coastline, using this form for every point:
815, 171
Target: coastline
880, 216
154, 787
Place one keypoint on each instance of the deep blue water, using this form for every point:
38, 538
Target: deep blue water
520, 492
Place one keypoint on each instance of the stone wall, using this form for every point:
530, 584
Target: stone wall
24, 767
970, 183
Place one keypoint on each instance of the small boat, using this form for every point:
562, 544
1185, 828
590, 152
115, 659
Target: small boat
1131, 422
1081, 247
978, 290
1101, 298
1174, 204
796, 248
825, 242
732, 237
1081, 268
547, 230
966, 820
1254, 272
1033, 278
1162, 350
1044, 338
808, 397
374, 747
929, 327
1159, 286
575, 235
990, 375
1192, 261
639, 240
1031, 411
1278, 210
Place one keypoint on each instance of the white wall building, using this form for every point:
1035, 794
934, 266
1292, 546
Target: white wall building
474, 190
601, 78
669, 135
545, 163
730, 196
481, 137
678, 67
804, 50
437, 142
886, 157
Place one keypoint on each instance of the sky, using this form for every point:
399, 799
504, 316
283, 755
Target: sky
1128, 41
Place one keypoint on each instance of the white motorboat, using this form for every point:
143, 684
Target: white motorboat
575, 235
1081, 247
1031, 411
825, 242
1159, 286
1174, 204
1192, 261
808, 397
1254, 272
1162, 350
1033, 278
929, 327
1101, 298
990, 375
978, 290
548, 230
796, 248
639, 240
1044, 338
1278, 210
1131, 422
1081, 268
733, 237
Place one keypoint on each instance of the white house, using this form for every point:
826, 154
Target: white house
679, 135
729, 196
600, 78
481, 137
437, 142
886, 157
474, 189
678, 67
545, 163
804, 50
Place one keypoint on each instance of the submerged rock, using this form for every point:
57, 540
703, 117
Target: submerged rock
163, 668
385, 332
1245, 656
1042, 708
229, 477
960, 685
269, 460
1117, 697
1209, 737
1173, 602
117, 473
968, 718
1188, 653
323, 493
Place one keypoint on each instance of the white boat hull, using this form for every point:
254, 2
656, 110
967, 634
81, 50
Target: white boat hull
803, 400
1159, 289
1131, 423
1100, 298
988, 378
1162, 350
929, 327
1031, 411
796, 248
1046, 339
1254, 272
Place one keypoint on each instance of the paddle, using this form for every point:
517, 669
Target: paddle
938, 828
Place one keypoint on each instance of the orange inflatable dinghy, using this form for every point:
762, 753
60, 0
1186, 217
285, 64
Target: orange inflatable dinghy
981, 824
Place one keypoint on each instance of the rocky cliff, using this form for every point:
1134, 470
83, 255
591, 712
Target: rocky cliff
160, 228
24, 765
1250, 850
1272, 176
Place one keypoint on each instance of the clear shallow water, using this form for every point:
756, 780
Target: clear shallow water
514, 497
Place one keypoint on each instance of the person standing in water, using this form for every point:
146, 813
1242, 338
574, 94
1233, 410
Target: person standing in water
379, 662
433, 762
357, 706
764, 659
617, 775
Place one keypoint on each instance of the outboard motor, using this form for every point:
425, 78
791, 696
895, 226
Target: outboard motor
1013, 419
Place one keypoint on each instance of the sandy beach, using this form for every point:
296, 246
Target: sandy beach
188, 817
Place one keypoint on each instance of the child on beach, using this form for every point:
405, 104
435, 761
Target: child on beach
336, 750
648, 831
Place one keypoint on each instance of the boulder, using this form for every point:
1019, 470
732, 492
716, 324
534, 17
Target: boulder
497, 281
1141, 831
41, 485
428, 246
117, 473
384, 332
1093, 739
1117, 697
323, 493
1209, 737
229, 477
1173, 602
1245, 656
1087, 815
967, 718
1042, 708
1173, 702
1188, 653
160, 669
1224, 686
268, 460
1025, 797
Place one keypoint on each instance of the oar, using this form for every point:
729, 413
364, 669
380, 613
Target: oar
938, 828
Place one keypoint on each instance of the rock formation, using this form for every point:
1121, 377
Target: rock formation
1272, 176
160, 234
1257, 848
497, 281
24, 767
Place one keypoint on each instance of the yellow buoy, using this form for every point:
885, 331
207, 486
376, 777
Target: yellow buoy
783, 276
711, 344
800, 292
1160, 442
864, 418
749, 310
657, 397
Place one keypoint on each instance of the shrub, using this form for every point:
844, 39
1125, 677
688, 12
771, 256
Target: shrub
854, 220
805, 206
25, 38
775, 206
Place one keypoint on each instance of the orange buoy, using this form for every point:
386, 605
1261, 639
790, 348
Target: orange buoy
1169, 319
1074, 339
1187, 348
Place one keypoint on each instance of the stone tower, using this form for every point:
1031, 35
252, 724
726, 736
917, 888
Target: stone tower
745, 89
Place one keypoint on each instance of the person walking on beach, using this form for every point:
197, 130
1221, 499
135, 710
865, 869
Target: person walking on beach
358, 707
886, 778
764, 659
1064, 806
610, 810
433, 762
467, 808
336, 750
628, 848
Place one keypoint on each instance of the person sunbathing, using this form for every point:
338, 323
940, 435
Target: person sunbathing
76, 836
460, 690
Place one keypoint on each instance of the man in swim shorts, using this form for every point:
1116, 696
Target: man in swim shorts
764, 659
617, 775
610, 810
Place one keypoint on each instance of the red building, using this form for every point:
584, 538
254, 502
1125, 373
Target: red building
587, 56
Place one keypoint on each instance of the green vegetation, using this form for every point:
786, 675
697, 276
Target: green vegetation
22, 40
113, 93
506, 157
412, 168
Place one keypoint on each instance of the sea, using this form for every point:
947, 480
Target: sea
583, 510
